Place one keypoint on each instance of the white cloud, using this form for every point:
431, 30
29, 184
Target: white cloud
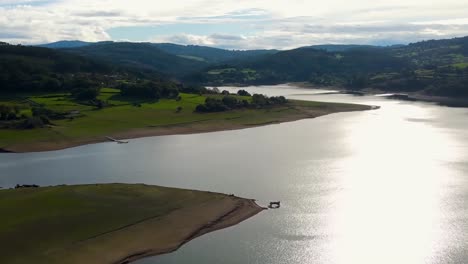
268, 24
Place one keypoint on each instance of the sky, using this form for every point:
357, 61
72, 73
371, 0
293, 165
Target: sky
234, 24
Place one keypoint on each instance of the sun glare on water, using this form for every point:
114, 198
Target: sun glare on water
390, 205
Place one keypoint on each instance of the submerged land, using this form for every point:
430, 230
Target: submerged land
124, 118
109, 223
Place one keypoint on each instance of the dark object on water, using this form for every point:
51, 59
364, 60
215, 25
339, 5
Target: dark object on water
26, 186
398, 96
116, 140
274, 205
352, 92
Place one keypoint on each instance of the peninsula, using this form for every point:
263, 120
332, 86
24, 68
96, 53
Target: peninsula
109, 223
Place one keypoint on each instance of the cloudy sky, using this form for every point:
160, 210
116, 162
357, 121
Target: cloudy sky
234, 24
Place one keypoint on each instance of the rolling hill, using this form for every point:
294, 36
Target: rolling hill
209, 54
36, 69
435, 67
65, 44
140, 56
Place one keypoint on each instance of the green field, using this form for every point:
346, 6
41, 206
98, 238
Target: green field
123, 116
461, 65
49, 225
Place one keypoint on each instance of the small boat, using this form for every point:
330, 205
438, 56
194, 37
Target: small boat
274, 205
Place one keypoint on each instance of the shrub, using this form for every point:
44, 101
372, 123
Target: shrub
31, 123
85, 94
243, 93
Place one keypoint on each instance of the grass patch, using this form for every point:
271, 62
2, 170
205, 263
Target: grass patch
39, 224
460, 65
192, 58
221, 71
124, 115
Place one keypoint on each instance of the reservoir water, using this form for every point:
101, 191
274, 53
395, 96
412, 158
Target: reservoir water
385, 186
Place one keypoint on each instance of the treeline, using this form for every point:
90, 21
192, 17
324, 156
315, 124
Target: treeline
149, 89
155, 90
229, 102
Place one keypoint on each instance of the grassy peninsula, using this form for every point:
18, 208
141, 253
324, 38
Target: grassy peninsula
109, 223
126, 117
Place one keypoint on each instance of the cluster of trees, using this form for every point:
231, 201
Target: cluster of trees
149, 89
8, 113
229, 102
10, 117
243, 93
219, 105
262, 100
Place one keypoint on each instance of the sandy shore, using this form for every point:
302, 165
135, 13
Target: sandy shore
229, 212
162, 235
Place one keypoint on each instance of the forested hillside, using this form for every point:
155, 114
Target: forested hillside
209, 54
26, 69
32, 69
436, 67
141, 56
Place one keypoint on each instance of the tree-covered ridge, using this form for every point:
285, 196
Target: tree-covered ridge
26, 69
140, 56
32, 69
191, 52
437, 67
209, 54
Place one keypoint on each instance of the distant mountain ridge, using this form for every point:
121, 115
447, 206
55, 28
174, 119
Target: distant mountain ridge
194, 52
64, 44
172, 59
339, 47
142, 56
435, 67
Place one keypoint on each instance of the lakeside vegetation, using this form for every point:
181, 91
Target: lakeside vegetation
64, 121
107, 223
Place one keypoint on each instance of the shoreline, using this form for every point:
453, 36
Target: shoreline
303, 112
412, 96
146, 221
246, 209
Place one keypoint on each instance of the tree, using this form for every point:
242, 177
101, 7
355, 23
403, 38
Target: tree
243, 93
259, 99
230, 101
86, 93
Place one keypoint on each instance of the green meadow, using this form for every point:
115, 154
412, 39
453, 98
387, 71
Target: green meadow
42, 225
122, 116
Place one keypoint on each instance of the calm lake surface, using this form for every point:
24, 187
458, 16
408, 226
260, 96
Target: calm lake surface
388, 186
